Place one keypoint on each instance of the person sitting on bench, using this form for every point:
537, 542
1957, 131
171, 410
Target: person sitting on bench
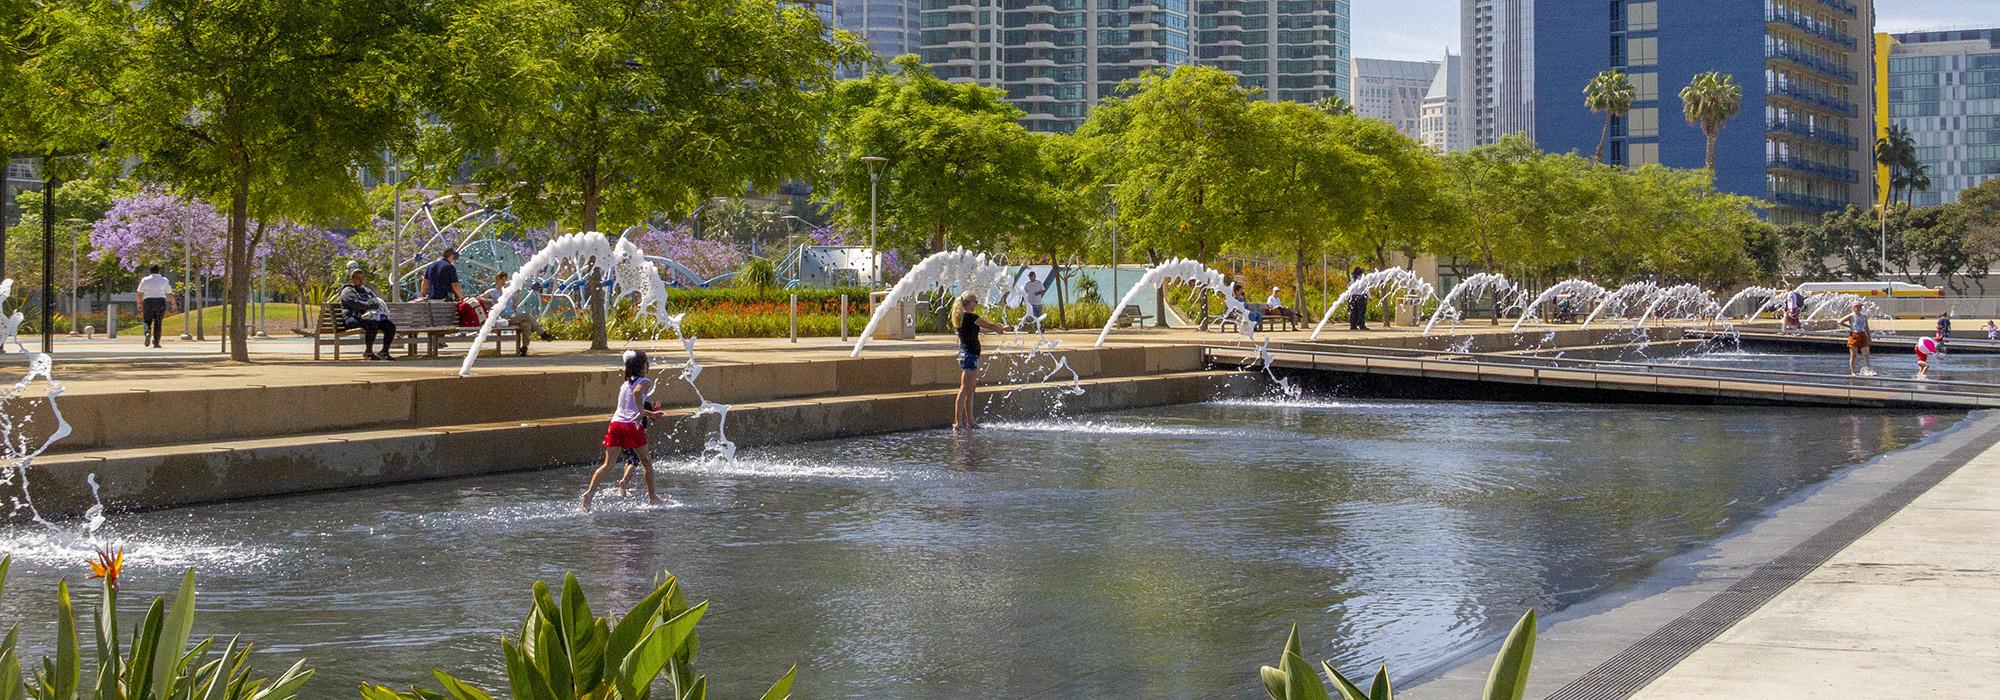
1274, 306
365, 310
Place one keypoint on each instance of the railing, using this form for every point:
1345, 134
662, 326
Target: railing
1807, 25
1806, 201
1845, 7
1636, 375
1817, 98
1826, 136
1802, 58
1814, 168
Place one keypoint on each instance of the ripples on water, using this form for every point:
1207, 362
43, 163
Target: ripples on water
1141, 554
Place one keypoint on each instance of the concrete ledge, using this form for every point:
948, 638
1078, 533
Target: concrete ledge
166, 476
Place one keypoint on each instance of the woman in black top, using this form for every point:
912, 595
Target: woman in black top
966, 321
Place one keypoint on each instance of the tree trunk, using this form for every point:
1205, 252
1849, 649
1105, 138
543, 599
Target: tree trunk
1056, 278
1711, 151
937, 241
1604, 138
592, 198
239, 263
1159, 293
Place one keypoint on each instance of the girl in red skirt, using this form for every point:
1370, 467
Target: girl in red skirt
625, 432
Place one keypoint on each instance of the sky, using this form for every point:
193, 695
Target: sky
1421, 30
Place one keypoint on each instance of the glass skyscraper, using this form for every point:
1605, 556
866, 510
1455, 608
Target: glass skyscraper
1944, 87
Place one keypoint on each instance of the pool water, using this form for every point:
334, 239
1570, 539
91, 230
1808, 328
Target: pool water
1140, 554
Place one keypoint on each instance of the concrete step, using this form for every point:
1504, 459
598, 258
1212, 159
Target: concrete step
228, 469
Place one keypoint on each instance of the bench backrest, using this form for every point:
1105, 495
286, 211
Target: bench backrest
406, 314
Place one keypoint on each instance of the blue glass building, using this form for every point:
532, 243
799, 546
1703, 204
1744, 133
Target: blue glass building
1802, 140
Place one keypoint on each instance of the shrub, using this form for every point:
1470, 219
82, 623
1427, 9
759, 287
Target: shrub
565, 652
1293, 678
158, 666
758, 274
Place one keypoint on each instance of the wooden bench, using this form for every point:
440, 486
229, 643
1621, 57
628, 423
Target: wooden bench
1288, 321
428, 320
1130, 315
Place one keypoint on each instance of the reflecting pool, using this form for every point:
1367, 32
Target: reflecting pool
1141, 554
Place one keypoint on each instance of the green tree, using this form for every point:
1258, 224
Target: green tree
1061, 198
78, 204
1313, 181
1609, 92
1397, 191
1708, 101
1978, 220
957, 159
1333, 106
1916, 177
265, 105
1180, 146
596, 112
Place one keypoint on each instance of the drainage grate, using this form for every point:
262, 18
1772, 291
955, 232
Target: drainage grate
1624, 674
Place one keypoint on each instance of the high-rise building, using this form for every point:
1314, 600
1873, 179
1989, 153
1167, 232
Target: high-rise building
889, 27
1800, 141
1056, 58
1294, 50
1393, 91
1944, 87
1441, 125
1497, 42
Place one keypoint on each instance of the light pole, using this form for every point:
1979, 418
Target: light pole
1112, 190
75, 253
48, 254
874, 256
187, 282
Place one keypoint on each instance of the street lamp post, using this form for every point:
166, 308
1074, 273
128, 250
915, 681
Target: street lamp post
874, 256
48, 254
187, 282
75, 253
1115, 298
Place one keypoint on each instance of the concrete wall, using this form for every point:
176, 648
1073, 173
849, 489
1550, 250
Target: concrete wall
108, 421
157, 477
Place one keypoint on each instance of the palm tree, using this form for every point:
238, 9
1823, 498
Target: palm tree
1611, 93
1709, 100
1896, 150
1334, 106
1916, 178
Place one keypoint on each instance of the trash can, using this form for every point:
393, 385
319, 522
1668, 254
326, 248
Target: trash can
900, 324
1409, 309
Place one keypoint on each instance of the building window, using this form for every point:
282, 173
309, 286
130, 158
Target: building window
1642, 51
1644, 121
1642, 154
1645, 87
1642, 16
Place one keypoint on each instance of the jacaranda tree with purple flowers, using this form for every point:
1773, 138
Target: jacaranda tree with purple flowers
705, 257
156, 227
301, 259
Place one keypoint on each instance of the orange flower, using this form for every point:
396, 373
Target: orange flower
107, 566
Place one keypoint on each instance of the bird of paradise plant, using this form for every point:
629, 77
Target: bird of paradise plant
159, 665
1293, 677
566, 652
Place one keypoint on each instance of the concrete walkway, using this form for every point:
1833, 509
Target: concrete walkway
1912, 609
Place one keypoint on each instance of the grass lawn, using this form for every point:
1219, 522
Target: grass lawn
280, 318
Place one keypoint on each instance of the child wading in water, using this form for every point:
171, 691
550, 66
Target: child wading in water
625, 433
966, 321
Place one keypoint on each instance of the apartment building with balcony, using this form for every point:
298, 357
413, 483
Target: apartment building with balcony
1802, 140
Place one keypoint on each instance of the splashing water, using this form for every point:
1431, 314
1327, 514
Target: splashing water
1180, 270
1640, 290
1492, 283
1392, 278
1771, 296
952, 270
1585, 292
1679, 301
1820, 302
627, 271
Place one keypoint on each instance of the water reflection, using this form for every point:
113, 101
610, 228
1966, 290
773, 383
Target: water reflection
1155, 553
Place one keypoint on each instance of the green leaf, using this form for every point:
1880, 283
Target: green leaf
639, 668
698, 690
1300, 683
286, 687
1348, 690
636, 623
68, 671
782, 690
581, 642
6, 562
109, 660
1381, 690
522, 678
1509, 678
1274, 681
145, 646
213, 678
173, 638
458, 689
10, 675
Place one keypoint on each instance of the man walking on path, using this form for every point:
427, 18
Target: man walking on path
1032, 292
440, 278
156, 295
1357, 306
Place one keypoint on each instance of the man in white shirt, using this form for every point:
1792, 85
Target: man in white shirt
156, 296
1032, 292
